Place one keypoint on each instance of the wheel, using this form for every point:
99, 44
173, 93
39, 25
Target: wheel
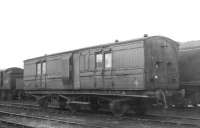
43, 103
94, 106
9, 96
62, 104
119, 108
140, 108
20, 96
73, 108
195, 99
3, 95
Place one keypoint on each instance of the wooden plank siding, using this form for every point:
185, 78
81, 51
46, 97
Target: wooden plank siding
133, 67
189, 63
127, 71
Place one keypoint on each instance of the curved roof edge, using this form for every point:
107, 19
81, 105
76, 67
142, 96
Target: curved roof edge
103, 45
13, 68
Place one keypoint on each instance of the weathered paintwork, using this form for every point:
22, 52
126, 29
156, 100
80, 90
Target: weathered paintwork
11, 78
1, 78
189, 63
58, 75
127, 70
162, 61
148, 63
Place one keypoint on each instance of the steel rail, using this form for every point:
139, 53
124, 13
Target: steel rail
15, 124
52, 119
145, 118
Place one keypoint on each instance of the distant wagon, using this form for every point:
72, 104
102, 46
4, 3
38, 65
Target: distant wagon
125, 75
11, 83
189, 66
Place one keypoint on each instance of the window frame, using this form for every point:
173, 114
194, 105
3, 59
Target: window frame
108, 52
42, 68
38, 64
102, 60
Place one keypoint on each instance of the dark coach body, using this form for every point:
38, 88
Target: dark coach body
189, 63
119, 75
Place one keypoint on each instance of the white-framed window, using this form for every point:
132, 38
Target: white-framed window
38, 68
41, 68
99, 60
44, 67
108, 60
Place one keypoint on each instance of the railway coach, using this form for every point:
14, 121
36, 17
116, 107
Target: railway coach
125, 75
11, 83
189, 62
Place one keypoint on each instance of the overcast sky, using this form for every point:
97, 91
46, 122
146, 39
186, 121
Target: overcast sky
31, 28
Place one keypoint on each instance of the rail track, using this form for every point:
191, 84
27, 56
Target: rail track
170, 120
14, 124
11, 115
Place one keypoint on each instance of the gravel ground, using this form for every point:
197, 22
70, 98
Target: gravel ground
39, 123
191, 113
99, 120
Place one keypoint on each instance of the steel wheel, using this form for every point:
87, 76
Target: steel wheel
94, 106
119, 108
43, 103
62, 105
73, 107
140, 107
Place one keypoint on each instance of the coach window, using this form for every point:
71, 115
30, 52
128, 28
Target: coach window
38, 68
99, 60
108, 60
44, 67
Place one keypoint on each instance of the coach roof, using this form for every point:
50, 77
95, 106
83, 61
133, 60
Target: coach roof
102, 45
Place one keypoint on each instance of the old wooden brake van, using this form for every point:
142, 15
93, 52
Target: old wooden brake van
125, 75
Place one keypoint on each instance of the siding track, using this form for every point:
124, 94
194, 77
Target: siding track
168, 120
15, 115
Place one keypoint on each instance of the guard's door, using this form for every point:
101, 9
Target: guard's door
103, 72
76, 69
107, 72
99, 73
41, 74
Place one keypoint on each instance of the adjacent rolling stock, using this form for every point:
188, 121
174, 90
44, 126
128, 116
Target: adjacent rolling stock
189, 62
120, 75
11, 83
